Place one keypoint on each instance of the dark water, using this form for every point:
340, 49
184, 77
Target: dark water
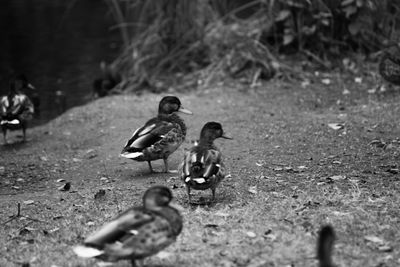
58, 44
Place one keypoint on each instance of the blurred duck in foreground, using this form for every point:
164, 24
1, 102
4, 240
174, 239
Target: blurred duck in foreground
160, 136
325, 243
202, 167
137, 233
16, 109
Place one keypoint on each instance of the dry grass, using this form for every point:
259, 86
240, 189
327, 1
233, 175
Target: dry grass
277, 128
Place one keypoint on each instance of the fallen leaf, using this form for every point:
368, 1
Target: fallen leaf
253, 189
346, 92
54, 230
99, 194
223, 253
336, 126
65, 187
251, 234
29, 202
374, 239
326, 81
393, 171
211, 225
337, 177
377, 143
385, 248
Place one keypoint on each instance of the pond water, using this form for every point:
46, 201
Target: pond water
58, 45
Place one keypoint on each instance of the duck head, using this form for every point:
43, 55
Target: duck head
20, 81
158, 197
211, 131
171, 104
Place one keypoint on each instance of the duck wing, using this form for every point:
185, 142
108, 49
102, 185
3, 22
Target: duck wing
149, 239
120, 228
148, 135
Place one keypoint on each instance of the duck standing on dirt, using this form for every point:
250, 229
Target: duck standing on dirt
202, 167
160, 136
138, 232
16, 109
325, 242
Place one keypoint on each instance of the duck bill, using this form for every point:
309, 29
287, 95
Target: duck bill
226, 137
30, 86
173, 204
184, 110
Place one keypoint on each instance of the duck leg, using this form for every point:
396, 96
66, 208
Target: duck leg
23, 134
166, 169
5, 136
213, 194
137, 263
188, 193
150, 167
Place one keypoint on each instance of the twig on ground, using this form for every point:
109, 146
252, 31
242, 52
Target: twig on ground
18, 215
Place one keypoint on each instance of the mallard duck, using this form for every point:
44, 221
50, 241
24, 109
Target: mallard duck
138, 232
16, 109
160, 136
326, 239
202, 167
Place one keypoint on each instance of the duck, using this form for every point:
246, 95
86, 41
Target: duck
160, 136
109, 79
202, 167
16, 109
138, 232
389, 65
326, 239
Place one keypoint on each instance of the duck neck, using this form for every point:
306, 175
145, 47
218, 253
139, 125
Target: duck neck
206, 141
175, 118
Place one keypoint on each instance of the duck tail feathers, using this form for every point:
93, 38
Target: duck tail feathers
87, 252
131, 155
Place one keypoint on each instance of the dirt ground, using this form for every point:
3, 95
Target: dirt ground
304, 154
